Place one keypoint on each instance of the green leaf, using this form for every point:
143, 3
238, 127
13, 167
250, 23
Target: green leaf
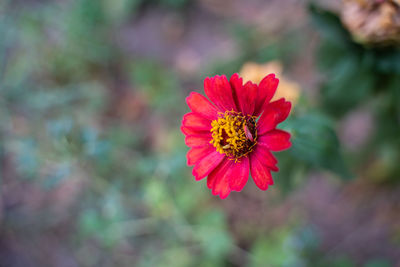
315, 142
394, 86
347, 86
330, 55
388, 61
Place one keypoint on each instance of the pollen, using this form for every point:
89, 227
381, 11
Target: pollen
234, 134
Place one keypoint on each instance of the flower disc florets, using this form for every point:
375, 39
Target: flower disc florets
234, 134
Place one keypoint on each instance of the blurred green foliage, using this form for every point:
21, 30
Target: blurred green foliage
358, 75
92, 160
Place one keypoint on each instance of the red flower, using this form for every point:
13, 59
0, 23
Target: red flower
228, 137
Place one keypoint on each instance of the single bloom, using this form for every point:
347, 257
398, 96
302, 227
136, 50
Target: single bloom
233, 132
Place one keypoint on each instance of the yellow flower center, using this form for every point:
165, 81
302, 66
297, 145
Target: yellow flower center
233, 134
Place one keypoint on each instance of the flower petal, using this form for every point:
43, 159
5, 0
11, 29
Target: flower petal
195, 154
265, 157
275, 140
205, 165
199, 104
218, 180
197, 140
267, 121
219, 91
236, 83
246, 95
281, 107
217, 173
212, 177
238, 174
190, 131
260, 173
195, 121
266, 90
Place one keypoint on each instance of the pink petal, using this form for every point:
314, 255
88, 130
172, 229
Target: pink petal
237, 88
190, 131
246, 96
187, 131
196, 122
266, 90
205, 165
267, 121
281, 107
219, 91
217, 173
212, 177
265, 157
197, 140
260, 173
238, 174
218, 179
199, 104
197, 153
275, 140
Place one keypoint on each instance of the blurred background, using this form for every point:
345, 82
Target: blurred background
92, 161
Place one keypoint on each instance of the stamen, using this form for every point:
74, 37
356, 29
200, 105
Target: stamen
233, 134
